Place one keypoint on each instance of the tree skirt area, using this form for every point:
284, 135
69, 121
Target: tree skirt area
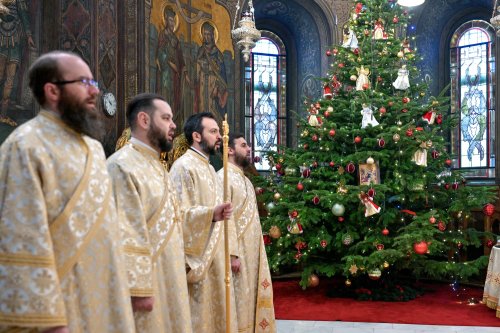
439, 304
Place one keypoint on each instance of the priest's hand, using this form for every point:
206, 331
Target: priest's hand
222, 211
59, 329
235, 264
142, 304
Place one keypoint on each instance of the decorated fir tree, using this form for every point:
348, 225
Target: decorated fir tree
369, 193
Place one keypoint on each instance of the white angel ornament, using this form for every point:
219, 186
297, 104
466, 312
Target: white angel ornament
368, 118
402, 82
362, 83
349, 39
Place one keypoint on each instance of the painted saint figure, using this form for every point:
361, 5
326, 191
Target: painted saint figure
15, 31
211, 82
171, 76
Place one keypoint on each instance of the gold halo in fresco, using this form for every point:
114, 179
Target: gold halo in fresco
216, 31
169, 7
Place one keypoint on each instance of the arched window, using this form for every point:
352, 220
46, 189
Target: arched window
472, 67
265, 97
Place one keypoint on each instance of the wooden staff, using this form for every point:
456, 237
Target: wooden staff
225, 143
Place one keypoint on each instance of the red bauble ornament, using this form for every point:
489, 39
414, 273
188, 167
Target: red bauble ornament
341, 65
300, 187
256, 159
306, 146
365, 86
340, 219
432, 220
314, 164
267, 239
357, 139
294, 213
371, 192
409, 132
298, 255
454, 186
441, 226
460, 245
323, 243
381, 142
350, 167
385, 231
328, 53
331, 164
278, 166
489, 209
306, 173
439, 119
332, 132
326, 114
490, 243
390, 103
395, 19
380, 247
379, 79
356, 51
404, 110
435, 154
315, 200
448, 162
405, 100
420, 247
314, 138
259, 190
335, 51
447, 186
382, 110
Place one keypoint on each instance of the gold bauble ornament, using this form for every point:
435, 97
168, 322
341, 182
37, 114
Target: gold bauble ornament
275, 232
396, 137
348, 283
277, 196
313, 280
401, 54
386, 264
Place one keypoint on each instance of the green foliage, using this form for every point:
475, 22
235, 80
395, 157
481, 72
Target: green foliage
418, 203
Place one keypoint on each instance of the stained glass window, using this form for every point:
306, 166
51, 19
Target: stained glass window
265, 97
472, 96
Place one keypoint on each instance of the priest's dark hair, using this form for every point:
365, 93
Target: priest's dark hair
142, 102
46, 69
234, 136
193, 124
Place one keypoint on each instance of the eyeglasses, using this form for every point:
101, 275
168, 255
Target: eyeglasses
86, 82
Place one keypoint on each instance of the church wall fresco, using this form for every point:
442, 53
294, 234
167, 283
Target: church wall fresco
191, 57
19, 46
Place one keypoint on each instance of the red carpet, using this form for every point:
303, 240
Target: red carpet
438, 306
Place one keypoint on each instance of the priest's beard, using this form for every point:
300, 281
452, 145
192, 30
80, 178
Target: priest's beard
80, 118
210, 150
158, 138
241, 160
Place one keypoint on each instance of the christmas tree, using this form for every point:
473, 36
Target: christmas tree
369, 193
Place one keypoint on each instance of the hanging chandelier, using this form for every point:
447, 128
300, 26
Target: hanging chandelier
246, 35
495, 19
410, 3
